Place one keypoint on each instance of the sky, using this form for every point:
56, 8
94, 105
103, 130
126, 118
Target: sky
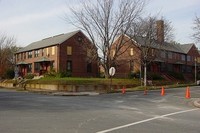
33, 20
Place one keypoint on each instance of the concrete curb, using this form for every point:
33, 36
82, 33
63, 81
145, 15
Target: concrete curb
197, 103
74, 94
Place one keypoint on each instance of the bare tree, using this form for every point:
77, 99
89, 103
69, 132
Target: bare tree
168, 30
145, 36
103, 21
196, 29
7, 49
149, 38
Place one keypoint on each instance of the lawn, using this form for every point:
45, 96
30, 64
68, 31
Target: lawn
86, 81
130, 84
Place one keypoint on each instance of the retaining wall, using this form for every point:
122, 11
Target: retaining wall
66, 87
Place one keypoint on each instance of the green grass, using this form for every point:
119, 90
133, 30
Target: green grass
85, 81
131, 84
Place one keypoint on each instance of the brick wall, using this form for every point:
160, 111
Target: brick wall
78, 57
57, 54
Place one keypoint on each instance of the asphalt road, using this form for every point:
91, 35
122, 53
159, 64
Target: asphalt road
23, 112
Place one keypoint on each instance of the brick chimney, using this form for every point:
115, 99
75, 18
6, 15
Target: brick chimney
160, 31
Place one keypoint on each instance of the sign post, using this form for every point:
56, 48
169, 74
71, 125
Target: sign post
111, 73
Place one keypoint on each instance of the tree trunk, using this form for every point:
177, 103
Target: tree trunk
106, 72
145, 74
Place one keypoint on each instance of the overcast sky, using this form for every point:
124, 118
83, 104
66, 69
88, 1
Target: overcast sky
32, 20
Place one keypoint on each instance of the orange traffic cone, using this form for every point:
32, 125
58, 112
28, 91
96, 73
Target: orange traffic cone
145, 91
187, 94
123, 90
162, 91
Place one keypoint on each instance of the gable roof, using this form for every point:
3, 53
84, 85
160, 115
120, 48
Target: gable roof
178, 48
165, 46
186, 47
50, 41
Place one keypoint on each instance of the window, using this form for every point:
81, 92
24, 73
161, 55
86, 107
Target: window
188, 69
29, 68
69, 65
89, 67
21, 56
42, 52
192, 58
17, 56
25, 55
69, 50
37, 66
170, 67
183, 57
170, 55
52, 64
131, 51
183, 69
163, 67
176, 55
131, 65
163, 55
198, 60
188, 58
47, 51
30, 54
53, 50
36, 53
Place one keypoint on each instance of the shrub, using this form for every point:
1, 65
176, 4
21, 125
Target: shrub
10, 74
63, 74
134, 75
29, 76
102, 75
51, 73
155, 76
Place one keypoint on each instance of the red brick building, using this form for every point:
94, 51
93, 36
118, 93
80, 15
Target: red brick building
61, 53
170, 57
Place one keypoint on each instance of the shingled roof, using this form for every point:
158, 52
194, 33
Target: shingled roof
186, 47
50, 41
178, 48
